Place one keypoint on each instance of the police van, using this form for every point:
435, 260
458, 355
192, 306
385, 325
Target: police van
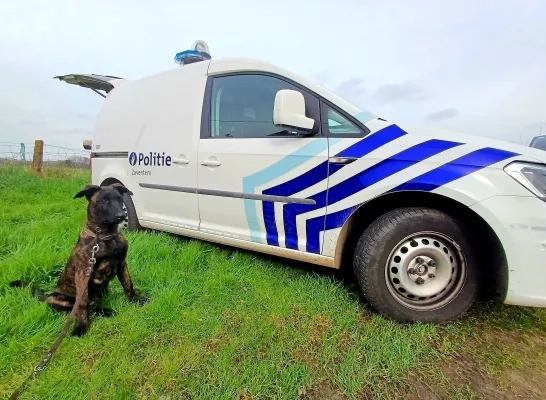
244, 153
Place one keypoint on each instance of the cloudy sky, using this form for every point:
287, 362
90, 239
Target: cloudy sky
477, 66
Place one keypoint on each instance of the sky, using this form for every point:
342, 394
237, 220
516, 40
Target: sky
477, 67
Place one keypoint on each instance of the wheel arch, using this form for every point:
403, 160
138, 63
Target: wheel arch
110, 181
494, 277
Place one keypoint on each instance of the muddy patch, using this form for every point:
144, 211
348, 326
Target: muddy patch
495, 365
322, 391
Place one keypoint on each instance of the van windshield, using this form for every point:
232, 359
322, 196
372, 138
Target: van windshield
539, 143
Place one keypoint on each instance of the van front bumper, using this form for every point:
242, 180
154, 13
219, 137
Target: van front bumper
520, 224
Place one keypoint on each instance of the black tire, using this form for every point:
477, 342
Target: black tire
383, 275
131, 220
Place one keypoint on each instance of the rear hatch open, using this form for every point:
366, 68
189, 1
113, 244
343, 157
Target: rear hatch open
100, 84
96, 83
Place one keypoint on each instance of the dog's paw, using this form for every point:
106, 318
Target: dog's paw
18, 284
139, 299
79, 330
104, 312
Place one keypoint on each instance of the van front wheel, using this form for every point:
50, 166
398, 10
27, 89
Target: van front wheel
131, 221
416, 265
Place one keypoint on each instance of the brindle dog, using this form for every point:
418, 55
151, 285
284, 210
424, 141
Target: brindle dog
104, 214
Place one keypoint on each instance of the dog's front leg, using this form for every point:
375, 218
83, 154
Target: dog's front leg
82, 323
127, 284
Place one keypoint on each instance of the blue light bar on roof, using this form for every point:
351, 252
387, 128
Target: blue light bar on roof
190, 56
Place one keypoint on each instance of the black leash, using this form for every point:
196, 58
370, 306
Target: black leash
88, 270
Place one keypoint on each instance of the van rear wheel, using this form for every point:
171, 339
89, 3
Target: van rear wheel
417, 265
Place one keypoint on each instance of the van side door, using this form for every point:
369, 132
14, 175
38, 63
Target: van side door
256, 179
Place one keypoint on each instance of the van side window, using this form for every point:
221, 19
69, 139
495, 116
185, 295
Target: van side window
340, 126
242, 107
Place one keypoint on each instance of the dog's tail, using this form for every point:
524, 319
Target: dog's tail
35, 289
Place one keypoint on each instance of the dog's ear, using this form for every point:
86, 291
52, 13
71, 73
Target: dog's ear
121, 189
88, 191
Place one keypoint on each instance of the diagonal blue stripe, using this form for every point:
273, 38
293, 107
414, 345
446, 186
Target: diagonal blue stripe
455, 169
428, 181
293, 160
321, 172
314, 226
315, 175
360, 181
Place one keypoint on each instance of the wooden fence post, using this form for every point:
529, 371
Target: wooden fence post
38, 158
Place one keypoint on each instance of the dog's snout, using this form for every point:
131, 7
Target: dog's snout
120, 216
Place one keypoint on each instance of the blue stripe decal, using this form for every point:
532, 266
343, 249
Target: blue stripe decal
360, 181
314, 226
428, 181
315, 175
455, 169
284, 165
272, 235
321, 172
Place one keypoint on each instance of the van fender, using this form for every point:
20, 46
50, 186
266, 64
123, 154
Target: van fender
381, 200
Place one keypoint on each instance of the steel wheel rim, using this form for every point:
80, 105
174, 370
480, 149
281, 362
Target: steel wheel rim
425, 271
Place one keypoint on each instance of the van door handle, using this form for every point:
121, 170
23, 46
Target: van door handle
342, 160
180, 161
211, 163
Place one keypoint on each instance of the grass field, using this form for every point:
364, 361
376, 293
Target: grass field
228, 324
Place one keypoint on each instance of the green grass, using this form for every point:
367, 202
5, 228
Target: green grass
221, 323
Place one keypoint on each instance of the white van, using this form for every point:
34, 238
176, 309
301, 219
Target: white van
244, 153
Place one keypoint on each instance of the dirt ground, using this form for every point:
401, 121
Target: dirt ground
517, 372
513, 373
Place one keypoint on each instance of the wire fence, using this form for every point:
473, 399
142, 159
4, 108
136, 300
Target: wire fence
23, 153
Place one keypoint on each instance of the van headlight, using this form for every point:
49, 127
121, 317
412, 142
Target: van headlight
531, 176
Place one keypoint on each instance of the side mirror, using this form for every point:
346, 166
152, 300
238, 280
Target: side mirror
289, 110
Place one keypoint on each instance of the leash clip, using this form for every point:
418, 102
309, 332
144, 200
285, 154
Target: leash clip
92, 259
